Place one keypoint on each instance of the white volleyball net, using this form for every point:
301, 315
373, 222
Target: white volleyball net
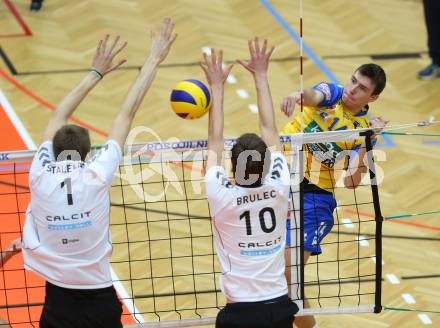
164, 262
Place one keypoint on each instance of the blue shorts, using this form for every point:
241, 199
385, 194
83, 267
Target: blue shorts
318, 220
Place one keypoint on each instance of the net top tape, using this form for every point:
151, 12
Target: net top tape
153, 149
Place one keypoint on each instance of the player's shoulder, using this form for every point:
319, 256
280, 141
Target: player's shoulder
279, 173
217, 175
328, 88
42, 161
108, 146
111, 145
44, 152
278, 157
331, 92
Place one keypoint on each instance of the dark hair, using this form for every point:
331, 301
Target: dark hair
72, 138
251, 142
376, 74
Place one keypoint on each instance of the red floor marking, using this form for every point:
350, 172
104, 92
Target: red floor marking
16, 14
47, 104
9, 137
368, 215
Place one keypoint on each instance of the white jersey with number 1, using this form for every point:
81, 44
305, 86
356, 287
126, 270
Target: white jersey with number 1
66, 236
250, 232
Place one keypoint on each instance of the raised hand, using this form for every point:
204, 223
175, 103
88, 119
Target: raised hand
259, 60
13, 248
378, 123
103, 60
288, 103
161, 43
213, 68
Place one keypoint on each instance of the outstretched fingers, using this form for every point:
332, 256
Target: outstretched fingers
204, 66
205, 60
220, 59
257, 45
213, 67
104, 43
164, 26
251, 48
114, 54
170, 30
213, 57
116, 65
99, 47
115, 41
228, 69
173, 38
166, 30
243, 63
270, 51
104, 56
263, 50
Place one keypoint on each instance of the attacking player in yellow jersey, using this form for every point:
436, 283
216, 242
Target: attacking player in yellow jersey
331, 107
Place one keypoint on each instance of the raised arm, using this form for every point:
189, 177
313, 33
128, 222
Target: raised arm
216, 76
311, 98
102, 65
160, 46
258, 66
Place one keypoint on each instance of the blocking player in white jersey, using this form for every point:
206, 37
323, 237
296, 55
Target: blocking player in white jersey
66, 237
249, 216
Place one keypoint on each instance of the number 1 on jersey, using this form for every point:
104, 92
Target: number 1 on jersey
68, 183
247, 216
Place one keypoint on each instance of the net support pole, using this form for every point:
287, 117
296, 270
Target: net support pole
378, 218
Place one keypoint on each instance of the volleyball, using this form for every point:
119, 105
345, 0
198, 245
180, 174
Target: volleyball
190, 99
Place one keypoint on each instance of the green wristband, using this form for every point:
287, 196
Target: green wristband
97, 73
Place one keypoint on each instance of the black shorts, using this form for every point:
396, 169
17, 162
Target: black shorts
275, 313
81, 308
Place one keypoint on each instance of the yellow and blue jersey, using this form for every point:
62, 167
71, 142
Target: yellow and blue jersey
329, 115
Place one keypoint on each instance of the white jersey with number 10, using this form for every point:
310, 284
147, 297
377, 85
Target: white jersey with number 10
250, 232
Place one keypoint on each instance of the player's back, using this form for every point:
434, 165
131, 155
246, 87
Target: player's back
66, 234
250, 232
71, 208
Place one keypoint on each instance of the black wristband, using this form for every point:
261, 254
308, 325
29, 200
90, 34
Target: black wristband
97, 73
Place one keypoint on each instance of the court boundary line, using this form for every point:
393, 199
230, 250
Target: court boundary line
48, 105
16, 122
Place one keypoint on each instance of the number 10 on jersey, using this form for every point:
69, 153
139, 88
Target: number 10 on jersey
262, 216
